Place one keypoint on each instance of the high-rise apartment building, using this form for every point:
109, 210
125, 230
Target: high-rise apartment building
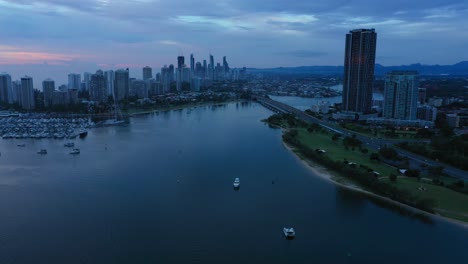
5, 88
401, 95
87, 80
211, 68
179, 74
27, 93
359, 66
147, 73
16, 90
98, 87
121, 84
422, 95
110, 76
48, 88
192, 65
74, 81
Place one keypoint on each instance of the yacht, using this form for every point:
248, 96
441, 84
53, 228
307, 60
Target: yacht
42, 151
83, 133
289, 232
69, 144
75, 151
236, 183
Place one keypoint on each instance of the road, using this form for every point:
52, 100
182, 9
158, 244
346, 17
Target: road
416, 161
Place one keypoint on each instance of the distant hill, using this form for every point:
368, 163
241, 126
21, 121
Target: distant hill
460, 68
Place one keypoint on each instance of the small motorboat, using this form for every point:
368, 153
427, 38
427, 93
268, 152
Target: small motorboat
42, 151
21, 145
75, 151
69, 144
236, 183
289, 232
83, 133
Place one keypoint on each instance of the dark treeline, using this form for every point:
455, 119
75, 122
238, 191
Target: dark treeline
359, 175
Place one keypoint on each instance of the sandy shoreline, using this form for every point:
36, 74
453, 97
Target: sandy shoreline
326, 175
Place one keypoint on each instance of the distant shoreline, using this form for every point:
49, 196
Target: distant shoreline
180, 107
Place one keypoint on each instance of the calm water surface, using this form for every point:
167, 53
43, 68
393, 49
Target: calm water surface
160, 191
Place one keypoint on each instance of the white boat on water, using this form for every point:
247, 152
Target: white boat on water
42, 151
112, 122
75, 151
289, 232
236, 183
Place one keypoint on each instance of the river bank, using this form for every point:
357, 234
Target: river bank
332, 177
180, 107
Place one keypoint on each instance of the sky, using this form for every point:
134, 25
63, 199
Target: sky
51, 38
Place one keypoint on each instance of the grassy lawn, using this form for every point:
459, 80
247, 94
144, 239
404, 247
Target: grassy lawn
453, 204
336, 151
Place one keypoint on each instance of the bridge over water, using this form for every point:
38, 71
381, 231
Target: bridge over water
369, 142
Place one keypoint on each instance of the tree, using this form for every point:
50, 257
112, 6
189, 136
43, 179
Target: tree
424, 133
388, 153
374, 156
392, 177
412, 173
436, 170
336, 136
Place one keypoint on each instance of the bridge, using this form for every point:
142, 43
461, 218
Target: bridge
369, 142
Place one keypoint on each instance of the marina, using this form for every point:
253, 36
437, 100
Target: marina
41, 126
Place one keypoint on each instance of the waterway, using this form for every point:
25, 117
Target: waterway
159, 190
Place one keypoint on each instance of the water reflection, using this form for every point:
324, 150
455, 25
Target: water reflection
352, 203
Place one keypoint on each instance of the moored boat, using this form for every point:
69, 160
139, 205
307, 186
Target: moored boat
236, 183
42, 151
289, 232
75, 151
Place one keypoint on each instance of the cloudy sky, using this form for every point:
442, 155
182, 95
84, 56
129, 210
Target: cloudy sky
50, 38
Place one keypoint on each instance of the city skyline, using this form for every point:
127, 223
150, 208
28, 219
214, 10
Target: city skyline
48, 38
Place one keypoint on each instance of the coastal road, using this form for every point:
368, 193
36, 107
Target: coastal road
371, 143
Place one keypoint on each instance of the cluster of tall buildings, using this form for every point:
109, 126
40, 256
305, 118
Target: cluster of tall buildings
403, 99
118, 85
19, 91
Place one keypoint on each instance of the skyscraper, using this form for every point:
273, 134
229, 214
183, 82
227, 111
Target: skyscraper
179, 74
27, 93
121, 84
86, 80
205, 68
98, 87
74, 81
359, 66
211, 68
401, 95
48, 88
5, 88
171, 73
16, 90
225, 65
180, 61
147, 73
192, 65
422, 95
110, 76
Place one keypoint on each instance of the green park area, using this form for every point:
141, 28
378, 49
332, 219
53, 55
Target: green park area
348, 158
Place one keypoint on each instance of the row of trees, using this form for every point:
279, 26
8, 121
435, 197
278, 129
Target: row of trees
360, 175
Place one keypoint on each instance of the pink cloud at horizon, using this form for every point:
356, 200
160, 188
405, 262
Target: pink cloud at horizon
11, 56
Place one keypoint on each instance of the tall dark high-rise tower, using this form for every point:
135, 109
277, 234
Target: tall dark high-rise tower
359, 66
180, 62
